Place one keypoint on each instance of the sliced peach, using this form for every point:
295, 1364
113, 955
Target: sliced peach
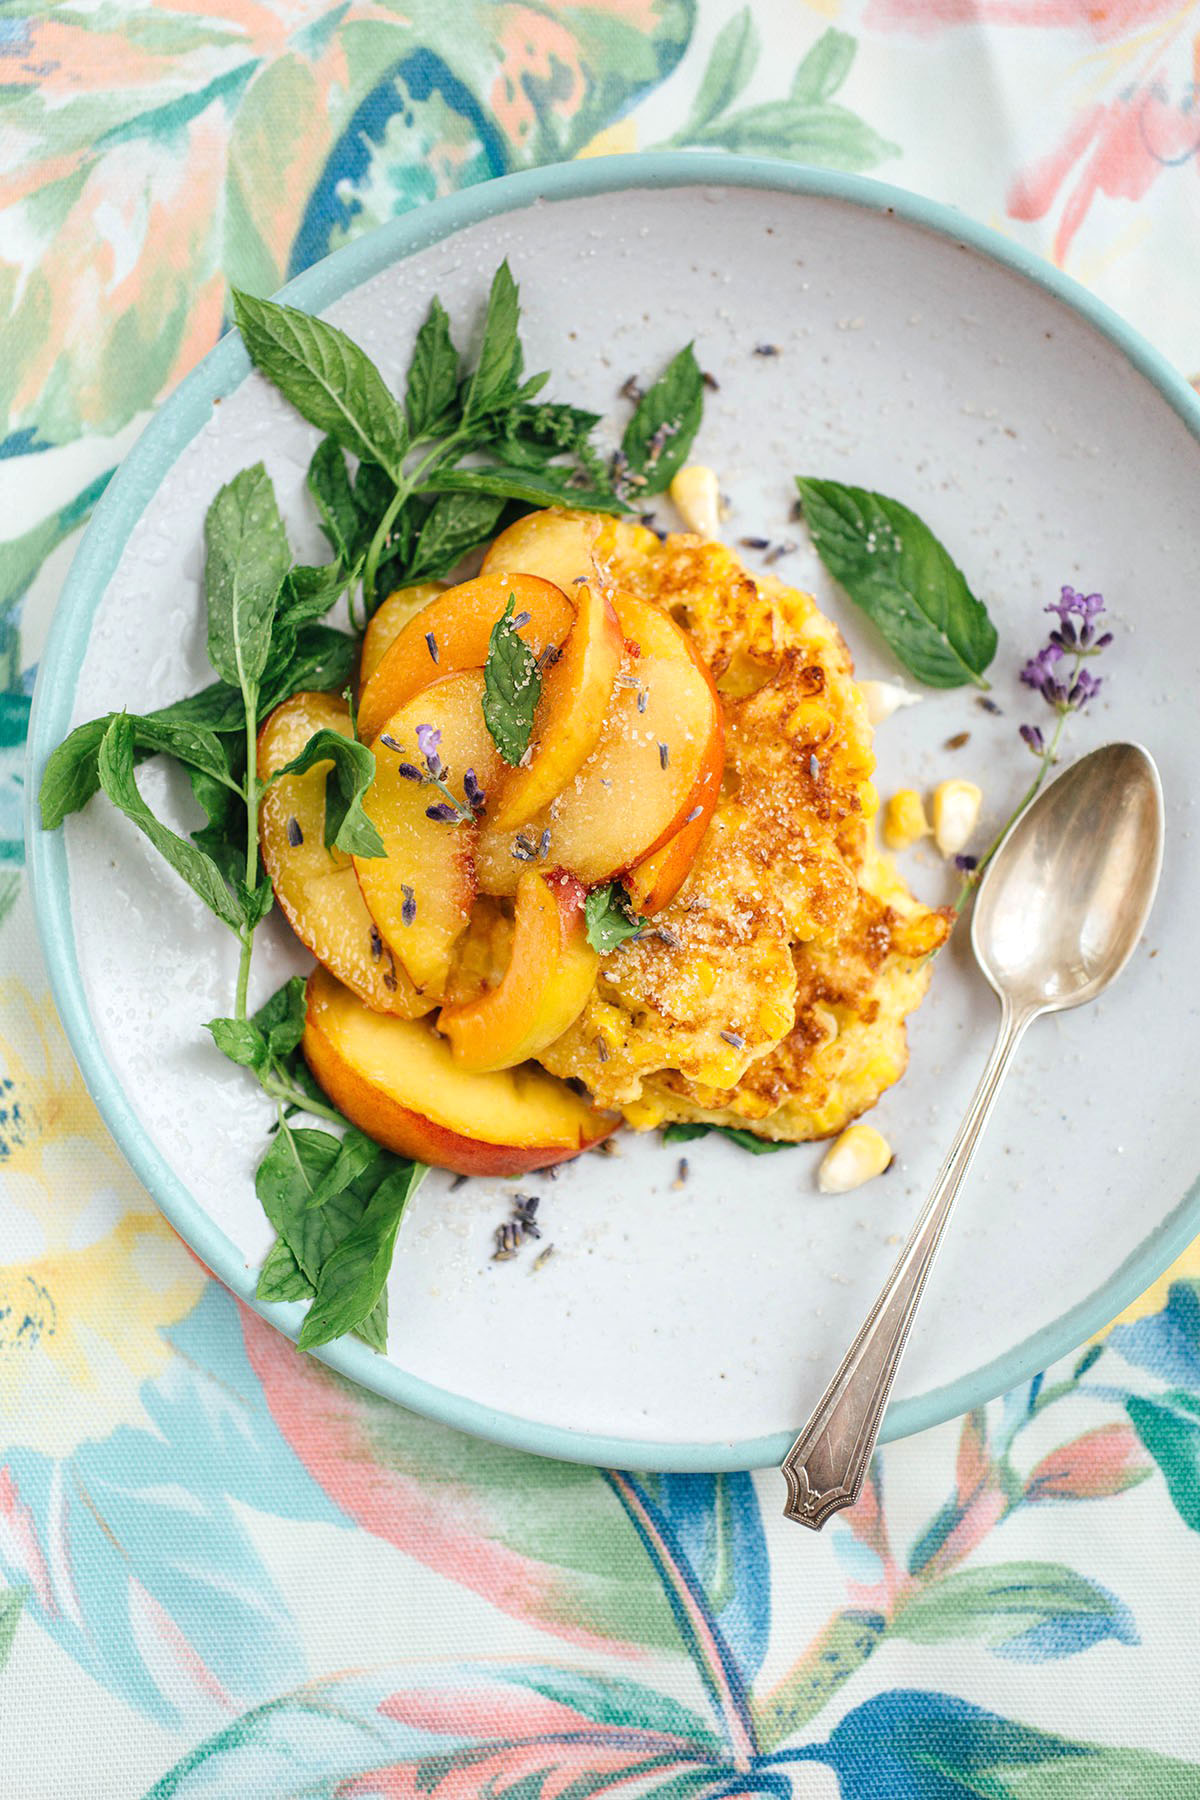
551, 972
452, 633
396, 1079
388, 621
316, 888
660, 756
555, 544
570, 716
420, 893
654, 882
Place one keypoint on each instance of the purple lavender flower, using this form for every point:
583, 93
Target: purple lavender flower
966, 863
428, 741
1073, 640
1039, 669
444, 813
475, 794
1032, 735
1085, 687
409, 771
1083, 607
408, 911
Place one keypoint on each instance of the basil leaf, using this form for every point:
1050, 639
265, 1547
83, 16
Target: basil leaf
896, 571
281, 1018
248, 557
456, 524
320, 658
746, 1140
281, 1277
115, 764
72, 773
498, 369
327, 378
240, 1040
352, 1278
512, 687
659, 435
329, 484
432, 385
352, 771
610, 918
824, 69
354, 1160
537, 487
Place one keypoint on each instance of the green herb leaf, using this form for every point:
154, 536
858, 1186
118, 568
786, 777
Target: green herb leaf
320, 658
730, 65
115, 764
248, 557
329, 484
285, 1181
355, 1158
659, 435
281, 1277
537, 487
241, 1041
327, 378
511, 688
457, 523
824, 69
72, 772
281, 1018
611, 919
746, 1140
353, 1277
255, 902
223, 837
498, 369
896, 571
373, 1329
351, 772
308, 593
432, 386
219, 707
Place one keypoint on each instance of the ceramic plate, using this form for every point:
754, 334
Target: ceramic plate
692, 1326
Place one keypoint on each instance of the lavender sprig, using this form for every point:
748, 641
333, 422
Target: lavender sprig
448, 810
1059, 675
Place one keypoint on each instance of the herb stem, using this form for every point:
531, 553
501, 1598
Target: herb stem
1046, 761
251, 795
284, 1094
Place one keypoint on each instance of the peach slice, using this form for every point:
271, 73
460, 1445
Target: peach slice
452, 633
551, 973
654, 882
555, 544
388, 621
419, 894
396, 1079
660, 758
316, 888
576, 692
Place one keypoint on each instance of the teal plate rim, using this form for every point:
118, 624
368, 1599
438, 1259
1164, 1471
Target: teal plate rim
130, 491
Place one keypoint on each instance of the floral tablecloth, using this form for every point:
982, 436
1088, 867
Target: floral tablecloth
228, 1573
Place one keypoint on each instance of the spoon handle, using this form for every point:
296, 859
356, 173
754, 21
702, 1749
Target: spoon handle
826, 1465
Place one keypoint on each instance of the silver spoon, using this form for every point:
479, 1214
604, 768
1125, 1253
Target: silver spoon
1056, 919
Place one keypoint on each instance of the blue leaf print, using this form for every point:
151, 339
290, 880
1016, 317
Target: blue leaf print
1167, 1343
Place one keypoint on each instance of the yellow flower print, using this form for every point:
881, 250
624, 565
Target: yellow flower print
89, 1272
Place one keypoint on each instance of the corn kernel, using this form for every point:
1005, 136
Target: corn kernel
904, 820
858, 1155
774, 1019
697, 495
956, 807
883, 698
706, 975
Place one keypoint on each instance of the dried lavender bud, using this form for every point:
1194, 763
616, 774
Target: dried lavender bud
295, 836
814, 766
409, 771
966, 863
958, 740
601, 1050
1031, 735
777, 550
755, 543
987, 703
766, 349
642, 698
524, 849
710, 381
391, 743
630, 389
666, 936
408, 911
522, 619
735, 1038
694, 814
376, 944
443, 813
459, 1181
664, 756
543, 848
476, 797
552, 652
431, 641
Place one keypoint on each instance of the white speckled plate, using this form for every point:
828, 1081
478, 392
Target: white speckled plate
692, 1326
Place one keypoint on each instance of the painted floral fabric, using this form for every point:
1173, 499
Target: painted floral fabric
225, 1571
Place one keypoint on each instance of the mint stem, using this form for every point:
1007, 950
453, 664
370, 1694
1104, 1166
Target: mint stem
250, 696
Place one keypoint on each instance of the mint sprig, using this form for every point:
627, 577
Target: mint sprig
512, 687
610, 918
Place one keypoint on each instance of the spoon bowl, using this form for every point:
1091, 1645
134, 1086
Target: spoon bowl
1066, 897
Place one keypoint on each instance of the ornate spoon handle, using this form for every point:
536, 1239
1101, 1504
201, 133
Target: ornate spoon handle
826, 1465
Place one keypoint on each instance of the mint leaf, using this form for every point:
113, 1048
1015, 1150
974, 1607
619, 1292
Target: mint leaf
824, 69
456, 524
281, 1018
72, 772
354, 1159
611, 920
746, 1140
247, 559
896, 571
320, 658
240, 1040
511, 688
223, 836
537, 487
115, 766
659, 435
498, 369
373, 1329
281, 1277
256, 902
285, 1182
328, 482
327, 378
308, 593
352, 1278
351, 773
432, 386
